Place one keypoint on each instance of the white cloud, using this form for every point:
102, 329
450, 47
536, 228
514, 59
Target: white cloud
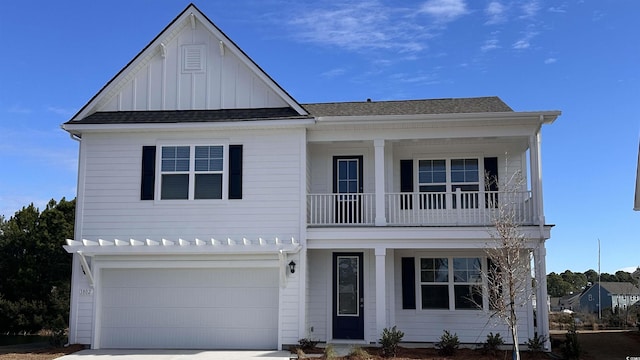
521, 44
60, 111
444, 10
558, 9
550, 60
333, 73
496, 12
489, 45
629, 269
525, 41
530, 9
362, 26
19, 109
12, 203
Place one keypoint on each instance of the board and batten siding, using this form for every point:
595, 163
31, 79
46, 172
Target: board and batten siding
270, 205
160, 81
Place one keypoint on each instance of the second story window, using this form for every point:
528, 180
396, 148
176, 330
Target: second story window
191, 172
440, 177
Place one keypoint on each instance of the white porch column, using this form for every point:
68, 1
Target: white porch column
381, 219
536, 177
542, 311
381, 292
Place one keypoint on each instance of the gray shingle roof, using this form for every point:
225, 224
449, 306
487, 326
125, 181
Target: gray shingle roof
409, 107
364, 108
620, 288
177, 116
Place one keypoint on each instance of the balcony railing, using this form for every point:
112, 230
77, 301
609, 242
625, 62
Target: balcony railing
341, 209
461, 208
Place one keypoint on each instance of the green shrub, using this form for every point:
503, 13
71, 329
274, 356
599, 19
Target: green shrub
492, 344
389, 341
571, 348
448, 343
536, 344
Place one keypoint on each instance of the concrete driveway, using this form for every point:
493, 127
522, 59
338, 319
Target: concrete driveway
176, 355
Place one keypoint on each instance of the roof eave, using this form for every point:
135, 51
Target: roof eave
76, 128
544, 117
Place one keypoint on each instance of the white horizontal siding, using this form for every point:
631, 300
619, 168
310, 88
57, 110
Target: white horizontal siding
321, 160
318, 301
271, 190
510, 155
471, 326
83, 292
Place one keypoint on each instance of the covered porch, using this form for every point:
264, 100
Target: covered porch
370, 284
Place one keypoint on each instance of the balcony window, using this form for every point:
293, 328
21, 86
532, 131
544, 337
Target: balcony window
436, 177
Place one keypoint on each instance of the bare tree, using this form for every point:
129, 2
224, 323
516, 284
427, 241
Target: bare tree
508, 274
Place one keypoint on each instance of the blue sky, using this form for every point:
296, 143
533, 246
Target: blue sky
580, 57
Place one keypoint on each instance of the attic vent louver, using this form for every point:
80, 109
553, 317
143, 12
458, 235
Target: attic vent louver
193, 58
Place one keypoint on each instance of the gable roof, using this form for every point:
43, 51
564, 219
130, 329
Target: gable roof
409, 107
623, 288
157, 48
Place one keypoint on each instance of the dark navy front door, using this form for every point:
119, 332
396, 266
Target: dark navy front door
348, 298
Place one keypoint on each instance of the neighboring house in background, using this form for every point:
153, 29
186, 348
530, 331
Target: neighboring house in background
215, 211
567, 302
614, 295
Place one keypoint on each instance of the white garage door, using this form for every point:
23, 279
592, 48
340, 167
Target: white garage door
189, 308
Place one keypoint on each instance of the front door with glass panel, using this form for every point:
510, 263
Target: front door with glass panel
348, 296
347, 185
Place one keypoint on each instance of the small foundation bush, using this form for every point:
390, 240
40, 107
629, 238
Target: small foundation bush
389, 341
448, 343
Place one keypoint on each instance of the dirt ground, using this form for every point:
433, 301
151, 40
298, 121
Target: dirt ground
596, 345
36, 352
609, 345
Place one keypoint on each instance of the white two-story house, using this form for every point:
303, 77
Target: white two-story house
215, 211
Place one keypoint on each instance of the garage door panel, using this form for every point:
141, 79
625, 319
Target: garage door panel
186, 338
185, 278
229, 297
224, 309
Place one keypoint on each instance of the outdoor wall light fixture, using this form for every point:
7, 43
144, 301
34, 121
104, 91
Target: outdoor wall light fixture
292, 267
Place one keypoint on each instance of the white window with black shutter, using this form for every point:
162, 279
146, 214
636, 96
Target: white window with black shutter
439, 180
199, 172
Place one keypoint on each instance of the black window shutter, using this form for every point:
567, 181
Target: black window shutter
406, 184
408, 283
235, 171
491, 171
491, 200
148, 172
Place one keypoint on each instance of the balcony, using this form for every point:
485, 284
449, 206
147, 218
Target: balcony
461, 208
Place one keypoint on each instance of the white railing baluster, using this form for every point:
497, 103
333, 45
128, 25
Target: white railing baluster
418, 209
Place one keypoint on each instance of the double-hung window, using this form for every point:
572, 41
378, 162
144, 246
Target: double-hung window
440, 179
451, 283
192, 172
465, 177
